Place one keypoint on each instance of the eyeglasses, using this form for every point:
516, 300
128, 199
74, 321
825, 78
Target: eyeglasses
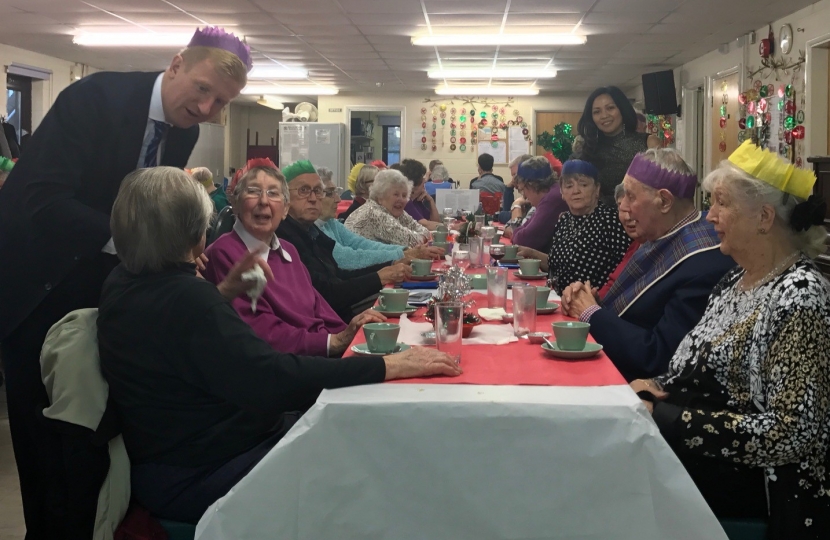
305, 191
256, 193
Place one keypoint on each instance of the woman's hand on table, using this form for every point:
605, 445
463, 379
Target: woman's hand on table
233, 285
340, 342
648, 385
420, 362
395, 273
424, 252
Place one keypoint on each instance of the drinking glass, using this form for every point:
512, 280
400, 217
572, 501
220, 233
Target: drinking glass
449, 323
488, 233
497, 252
476, 252
496, 287
524, 309
479, 222
461, 256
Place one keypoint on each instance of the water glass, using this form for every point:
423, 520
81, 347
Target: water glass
496, 287
479, 222
476, 252
524, 309
488, 233
461, 256
449, 324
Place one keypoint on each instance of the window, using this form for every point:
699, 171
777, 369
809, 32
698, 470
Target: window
392, 144
19, 104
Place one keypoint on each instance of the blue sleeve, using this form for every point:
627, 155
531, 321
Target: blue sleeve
352, 251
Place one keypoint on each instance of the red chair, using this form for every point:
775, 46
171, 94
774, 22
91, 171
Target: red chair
490, 202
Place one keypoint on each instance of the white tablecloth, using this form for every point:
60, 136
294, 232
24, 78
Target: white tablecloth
399, 462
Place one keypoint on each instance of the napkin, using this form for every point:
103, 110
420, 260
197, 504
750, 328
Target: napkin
411, 331
257, 275
491, 314
485, 334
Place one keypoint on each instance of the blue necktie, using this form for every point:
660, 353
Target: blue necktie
151, 157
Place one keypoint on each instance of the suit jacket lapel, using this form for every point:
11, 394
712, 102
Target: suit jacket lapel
135, 120
178, 145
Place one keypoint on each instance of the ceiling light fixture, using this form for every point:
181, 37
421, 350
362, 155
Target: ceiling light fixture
132, 39
270, 102
491, 73
486, 91
492, 40
276, 72
267, 89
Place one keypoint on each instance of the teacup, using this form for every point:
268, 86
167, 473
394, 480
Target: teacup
511, 253
571, 335
542, 294
381, 337
478, 281
529, 267
421, 267
439, 236
443, 245
393, 299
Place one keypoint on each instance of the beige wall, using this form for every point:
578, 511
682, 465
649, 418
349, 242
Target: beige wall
462, 166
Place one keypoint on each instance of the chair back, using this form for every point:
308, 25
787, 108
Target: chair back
490, 202
223, 224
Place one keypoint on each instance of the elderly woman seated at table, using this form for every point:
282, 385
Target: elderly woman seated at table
352, 251
745, 402
383, 218
588, 240
662, 292
199, 397
538, 184
363, 181
631, 231
290, 315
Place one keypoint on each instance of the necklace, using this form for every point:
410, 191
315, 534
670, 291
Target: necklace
743, 286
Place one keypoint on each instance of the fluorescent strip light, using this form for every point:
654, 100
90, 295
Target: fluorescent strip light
268, 89
491, 40
486, 91
274, 72
492, 73
267, 101
132, 39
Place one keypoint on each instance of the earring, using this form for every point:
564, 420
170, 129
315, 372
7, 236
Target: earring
762, 231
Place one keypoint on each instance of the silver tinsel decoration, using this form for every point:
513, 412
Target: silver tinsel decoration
453, 286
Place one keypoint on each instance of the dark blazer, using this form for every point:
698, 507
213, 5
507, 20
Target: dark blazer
642, 341
55, 206
340, 288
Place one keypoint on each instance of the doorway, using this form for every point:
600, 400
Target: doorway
723, 136
18, 112
391, 145
375, 133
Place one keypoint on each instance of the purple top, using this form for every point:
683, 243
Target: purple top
417, 210
537, 232
290, 315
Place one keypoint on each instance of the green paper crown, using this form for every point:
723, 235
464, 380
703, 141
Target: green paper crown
298, 168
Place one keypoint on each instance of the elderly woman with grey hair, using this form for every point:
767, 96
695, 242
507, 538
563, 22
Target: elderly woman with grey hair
438, 179
365, 178
538, 183
200, 398
383, 218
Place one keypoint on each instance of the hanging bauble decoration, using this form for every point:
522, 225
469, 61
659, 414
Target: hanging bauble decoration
434, 148
452, 148
750, 122
501, 111
494, 137
515, 112
472, 113
799, 116
483, 114
443, 107
495, 132
434, 133
742, 123
463, 125
756, 84
463, 147
782, 91
722, 146
423, 118
424, 125
525, 131
452, 125
463, 110
482, 124
443, 121
462, 140
770, 90
452, 139
767, 117
781, 104
742, 98
434, 125
789, 108
423, 110
452, 132
452, 111
723, 110
789, 122
423, 139
762, 105
798, 132
788, 136
722, 122
495, 108
750, 108
463, 118
423, 147
520, 120
788, 90
763, 91
524, 124
443, 114
799, 162
494, 144
741, 136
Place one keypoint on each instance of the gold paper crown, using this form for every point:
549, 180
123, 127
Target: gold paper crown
768, 167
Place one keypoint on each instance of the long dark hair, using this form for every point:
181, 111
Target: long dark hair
589, 130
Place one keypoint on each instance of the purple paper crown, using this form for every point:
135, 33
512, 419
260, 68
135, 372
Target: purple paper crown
652, 174
213, 36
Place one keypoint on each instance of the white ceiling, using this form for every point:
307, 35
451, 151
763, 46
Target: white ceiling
355, 44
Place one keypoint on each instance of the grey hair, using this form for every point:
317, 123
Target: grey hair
325, 174
365, 176
619, 191
538, 162
387, 180
159, 216
751, 194
202, 175
519, 160
250, 175
440, 173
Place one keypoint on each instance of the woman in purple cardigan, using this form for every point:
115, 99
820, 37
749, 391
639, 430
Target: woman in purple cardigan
538, 184
290, 315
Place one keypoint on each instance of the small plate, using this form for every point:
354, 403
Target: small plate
591, 349
428, 337
363, 349
518, 274
550, 308
409, 309
428, 277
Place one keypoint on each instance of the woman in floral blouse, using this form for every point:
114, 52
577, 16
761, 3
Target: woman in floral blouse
383, 218
746, 401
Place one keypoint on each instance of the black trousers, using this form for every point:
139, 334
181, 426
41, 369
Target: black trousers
732, 491
36, 448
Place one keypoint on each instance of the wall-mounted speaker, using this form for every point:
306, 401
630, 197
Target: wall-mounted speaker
659, 92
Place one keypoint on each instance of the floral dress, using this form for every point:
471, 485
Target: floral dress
751, 386
586, 248
374, 222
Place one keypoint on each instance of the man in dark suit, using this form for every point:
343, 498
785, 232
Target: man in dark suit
55, 214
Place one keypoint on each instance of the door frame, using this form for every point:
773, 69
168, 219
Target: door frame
374, 108
707, 119
816, 71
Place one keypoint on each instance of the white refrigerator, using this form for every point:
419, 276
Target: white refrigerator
322, 144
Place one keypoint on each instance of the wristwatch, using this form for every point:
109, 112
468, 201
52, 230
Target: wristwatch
516, 205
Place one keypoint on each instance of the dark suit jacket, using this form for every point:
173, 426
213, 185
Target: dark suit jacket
642, 341
340, 288
55, 206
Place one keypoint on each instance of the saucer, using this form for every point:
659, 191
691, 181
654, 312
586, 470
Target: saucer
428, 277
363, 349
409, 309
591, 349
518, 274
512, 261
550, 308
